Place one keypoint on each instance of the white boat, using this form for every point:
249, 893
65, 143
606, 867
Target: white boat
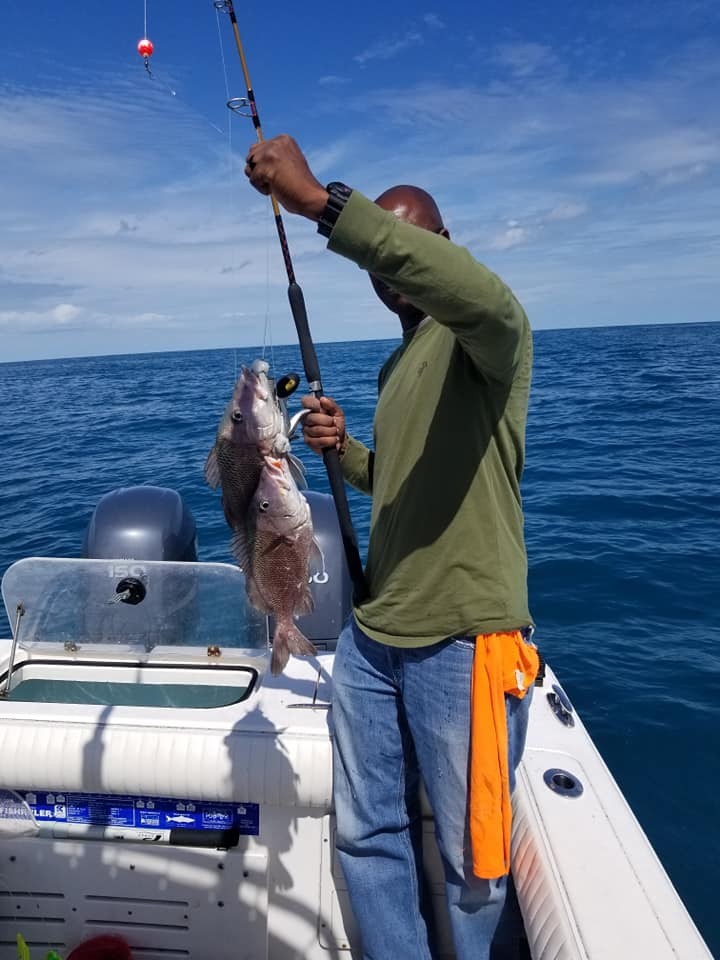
165, 788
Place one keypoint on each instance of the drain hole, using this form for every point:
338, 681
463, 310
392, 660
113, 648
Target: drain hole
563, 782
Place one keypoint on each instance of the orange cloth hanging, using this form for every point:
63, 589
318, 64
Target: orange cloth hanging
503, 663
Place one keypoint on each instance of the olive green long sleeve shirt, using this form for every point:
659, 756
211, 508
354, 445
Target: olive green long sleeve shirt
446, 554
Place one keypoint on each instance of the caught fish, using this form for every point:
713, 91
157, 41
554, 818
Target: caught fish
252, 427
275, 552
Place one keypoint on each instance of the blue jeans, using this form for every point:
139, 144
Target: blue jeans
401, 714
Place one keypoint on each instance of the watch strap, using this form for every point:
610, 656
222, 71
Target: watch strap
338, 195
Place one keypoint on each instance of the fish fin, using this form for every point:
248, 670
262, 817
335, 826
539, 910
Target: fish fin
240, 549
288, 639
212, 469
229, 518
306, 605
254, 596
297, 470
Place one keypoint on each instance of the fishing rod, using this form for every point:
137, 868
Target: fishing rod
302, 326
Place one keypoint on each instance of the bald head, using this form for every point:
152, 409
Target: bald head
417, 207
413, 205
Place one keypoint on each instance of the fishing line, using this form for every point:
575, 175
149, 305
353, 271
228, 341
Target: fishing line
267, 330
227, 88
222, 54
145, 45
196, 114
146, 48
307, 347
231, 164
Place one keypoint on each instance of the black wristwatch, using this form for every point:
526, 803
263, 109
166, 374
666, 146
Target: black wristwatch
338, 197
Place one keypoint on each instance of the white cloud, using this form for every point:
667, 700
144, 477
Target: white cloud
332, 155
682, 174
525, 59
386, 49
153, 320
63, 316
333, 80
65, 312
567, 210
513, 236
433, 20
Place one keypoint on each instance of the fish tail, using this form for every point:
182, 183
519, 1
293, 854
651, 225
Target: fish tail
288, 638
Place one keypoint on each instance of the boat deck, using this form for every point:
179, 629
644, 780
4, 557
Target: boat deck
573, 849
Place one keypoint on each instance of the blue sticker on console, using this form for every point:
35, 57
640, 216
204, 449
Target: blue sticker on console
162, 813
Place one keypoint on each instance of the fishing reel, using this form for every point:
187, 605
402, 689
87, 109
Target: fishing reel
287, 385
284, 388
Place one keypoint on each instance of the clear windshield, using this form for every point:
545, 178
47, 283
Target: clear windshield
79, 605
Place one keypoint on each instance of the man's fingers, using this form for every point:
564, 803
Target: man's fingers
258, 180
315, 422
320, 430
326, 404
319, 444
322, 426
329, 406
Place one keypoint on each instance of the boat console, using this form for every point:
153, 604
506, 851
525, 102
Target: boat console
155, 781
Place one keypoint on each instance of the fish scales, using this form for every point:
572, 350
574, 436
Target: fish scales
279, 549
240, 469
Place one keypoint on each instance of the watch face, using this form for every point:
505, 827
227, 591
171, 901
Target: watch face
340, 189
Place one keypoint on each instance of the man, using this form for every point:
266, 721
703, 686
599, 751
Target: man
446, 566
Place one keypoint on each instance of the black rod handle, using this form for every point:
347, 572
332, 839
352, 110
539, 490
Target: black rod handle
307, 347
331, 459
330, 456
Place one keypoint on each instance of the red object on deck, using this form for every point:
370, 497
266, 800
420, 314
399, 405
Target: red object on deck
102, 948
145, 47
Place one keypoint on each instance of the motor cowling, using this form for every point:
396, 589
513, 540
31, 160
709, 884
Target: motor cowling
141, 523
330, 586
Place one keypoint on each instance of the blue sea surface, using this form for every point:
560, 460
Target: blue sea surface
622, 506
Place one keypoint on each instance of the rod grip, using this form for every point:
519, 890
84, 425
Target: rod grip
307, 347
330, 456
347, 531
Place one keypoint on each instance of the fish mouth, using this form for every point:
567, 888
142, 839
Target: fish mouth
253, 378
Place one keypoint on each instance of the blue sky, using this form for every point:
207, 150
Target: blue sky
574, 148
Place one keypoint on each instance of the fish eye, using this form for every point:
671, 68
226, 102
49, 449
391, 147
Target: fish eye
264, 505
237, 416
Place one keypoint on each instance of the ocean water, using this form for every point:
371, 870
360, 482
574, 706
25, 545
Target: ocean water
622, 505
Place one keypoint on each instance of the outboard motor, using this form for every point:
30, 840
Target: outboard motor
331, 586
141, 523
